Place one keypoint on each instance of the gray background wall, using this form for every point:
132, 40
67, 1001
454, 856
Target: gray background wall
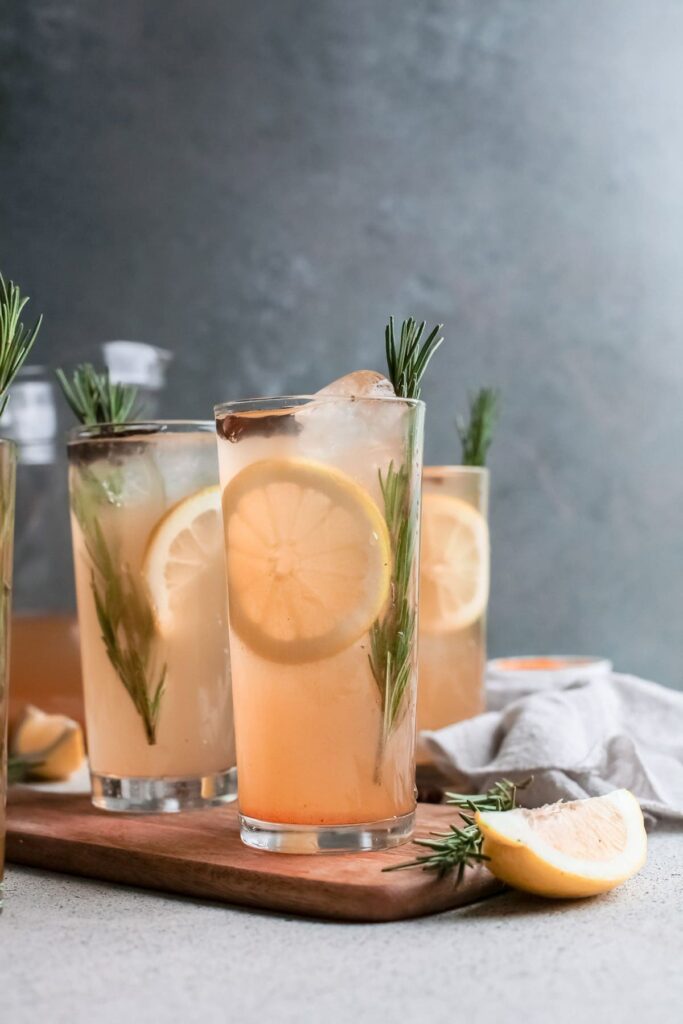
257, 184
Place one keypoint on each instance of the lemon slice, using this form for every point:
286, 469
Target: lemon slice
309, 559
184, 557
52, 744
568, 849
454, 564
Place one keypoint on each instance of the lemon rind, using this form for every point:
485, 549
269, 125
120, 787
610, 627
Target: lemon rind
153, 561
527, 852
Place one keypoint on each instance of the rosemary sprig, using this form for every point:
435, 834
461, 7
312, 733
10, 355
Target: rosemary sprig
20, 768
461, 846
93, 398
16, 341
476, 433
123, 610
391, 637
408, 362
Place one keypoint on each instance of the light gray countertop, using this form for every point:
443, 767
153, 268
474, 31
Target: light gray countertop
76, 951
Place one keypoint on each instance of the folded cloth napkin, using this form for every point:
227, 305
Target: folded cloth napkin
585, 739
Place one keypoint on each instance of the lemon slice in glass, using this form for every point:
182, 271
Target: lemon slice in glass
184, 558
308, 556
454, 564
573, 849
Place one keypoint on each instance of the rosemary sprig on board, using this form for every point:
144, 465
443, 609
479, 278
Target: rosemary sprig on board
93, 398
476, 433
16, 341
391, 637
461, 846
123, 609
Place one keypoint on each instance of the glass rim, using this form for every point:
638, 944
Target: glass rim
8, 443
108, 431
284, 401
455, 470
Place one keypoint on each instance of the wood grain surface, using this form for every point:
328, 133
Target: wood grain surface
199, 853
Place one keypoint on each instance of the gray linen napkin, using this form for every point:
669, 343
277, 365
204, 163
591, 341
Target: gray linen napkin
583, 740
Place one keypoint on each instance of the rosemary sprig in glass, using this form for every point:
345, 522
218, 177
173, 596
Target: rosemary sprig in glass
123, 610
391, 637
93, 398
461, 846
476, 433
16, 341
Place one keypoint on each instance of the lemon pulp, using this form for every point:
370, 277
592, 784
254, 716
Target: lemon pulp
308, 559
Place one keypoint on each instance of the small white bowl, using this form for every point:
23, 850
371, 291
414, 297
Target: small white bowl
508, 679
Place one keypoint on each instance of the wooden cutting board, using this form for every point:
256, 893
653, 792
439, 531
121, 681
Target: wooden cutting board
199, 853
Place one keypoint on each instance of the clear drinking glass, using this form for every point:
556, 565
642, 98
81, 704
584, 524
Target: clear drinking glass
8, 458
320, 511
454, 590
150, 586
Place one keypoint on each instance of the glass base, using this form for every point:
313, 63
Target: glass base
361, 838
165, 795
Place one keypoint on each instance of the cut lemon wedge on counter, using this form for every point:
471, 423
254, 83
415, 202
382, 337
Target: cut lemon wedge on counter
51, 744
454, 564
185, 550
574, 849
309, 559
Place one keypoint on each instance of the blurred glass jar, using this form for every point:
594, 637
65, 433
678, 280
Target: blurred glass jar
142, 365
45, 661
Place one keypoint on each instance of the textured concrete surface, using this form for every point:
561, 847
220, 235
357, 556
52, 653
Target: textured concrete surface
74, 951
258, 185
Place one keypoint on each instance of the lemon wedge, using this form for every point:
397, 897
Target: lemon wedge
52, 744
574, 849
308, 557
184, 557
454, 564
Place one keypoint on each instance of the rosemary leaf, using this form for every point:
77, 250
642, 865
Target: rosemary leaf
123, 611
461, 846
476, 433
124, 614
94, 399
20, 768
16, 341
392, 636
407, 362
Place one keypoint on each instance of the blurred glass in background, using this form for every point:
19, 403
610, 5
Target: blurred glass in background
45, 661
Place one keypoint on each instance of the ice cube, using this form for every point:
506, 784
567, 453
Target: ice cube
120, 472
360, 384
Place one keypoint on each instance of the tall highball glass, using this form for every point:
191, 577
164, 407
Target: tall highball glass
320, 509
150, 586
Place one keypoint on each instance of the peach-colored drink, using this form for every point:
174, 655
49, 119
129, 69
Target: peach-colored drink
454, 586
8, 457
150, 583
325, 738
